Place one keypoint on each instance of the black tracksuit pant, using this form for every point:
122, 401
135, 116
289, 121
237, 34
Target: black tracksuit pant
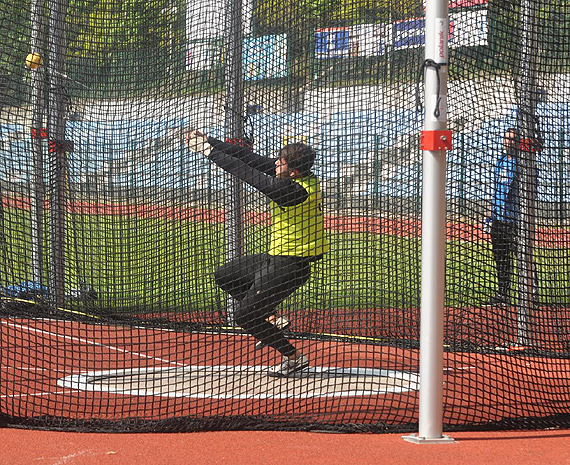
260, 283
503, 238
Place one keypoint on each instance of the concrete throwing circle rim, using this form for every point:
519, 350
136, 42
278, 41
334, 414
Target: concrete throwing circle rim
93, 381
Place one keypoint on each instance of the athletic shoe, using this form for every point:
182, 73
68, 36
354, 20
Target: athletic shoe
288, 366
282, 323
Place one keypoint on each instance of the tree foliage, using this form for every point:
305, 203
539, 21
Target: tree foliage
14, 32
283, 15
105, 26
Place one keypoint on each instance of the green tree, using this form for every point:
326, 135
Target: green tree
110, 26
350, 12
14, 27
124, 44
286, 15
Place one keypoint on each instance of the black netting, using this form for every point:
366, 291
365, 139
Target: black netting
114, 228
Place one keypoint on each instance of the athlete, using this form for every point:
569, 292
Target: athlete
504, 216
260, 282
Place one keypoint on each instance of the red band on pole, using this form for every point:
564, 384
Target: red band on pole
39, 133
530, 145
436, 140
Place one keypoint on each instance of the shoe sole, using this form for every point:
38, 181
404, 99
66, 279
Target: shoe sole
292, 372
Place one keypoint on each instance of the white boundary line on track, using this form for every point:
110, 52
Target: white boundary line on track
467, 368
36, 394
85, 381
88, 342
76, 339
20, 368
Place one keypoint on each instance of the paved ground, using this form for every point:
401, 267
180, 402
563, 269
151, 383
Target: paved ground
25, 447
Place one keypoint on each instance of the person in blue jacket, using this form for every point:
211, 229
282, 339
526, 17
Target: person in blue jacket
504, 215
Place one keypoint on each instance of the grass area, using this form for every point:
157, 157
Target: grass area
152, 264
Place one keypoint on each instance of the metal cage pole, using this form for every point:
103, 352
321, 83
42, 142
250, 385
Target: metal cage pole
37, 197
234, 130
527, 97
58, 147
435, 141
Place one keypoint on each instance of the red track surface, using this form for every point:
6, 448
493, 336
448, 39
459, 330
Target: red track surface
22, 447
32, 390
36, 354
52, 346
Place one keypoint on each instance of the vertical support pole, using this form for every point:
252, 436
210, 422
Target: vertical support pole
561, 145
527, 96
433, 226
338, 174
233, 77
376, 201
57, 100
463, 158
37, 197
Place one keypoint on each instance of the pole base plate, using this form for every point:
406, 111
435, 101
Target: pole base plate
414, 438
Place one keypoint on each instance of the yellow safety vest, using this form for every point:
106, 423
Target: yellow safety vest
299, 230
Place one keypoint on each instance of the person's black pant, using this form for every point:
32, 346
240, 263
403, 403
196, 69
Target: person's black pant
503, 238
260, 283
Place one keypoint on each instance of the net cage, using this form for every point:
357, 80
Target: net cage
115, 223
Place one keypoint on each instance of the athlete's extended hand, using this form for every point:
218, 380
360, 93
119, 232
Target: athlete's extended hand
198, 142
